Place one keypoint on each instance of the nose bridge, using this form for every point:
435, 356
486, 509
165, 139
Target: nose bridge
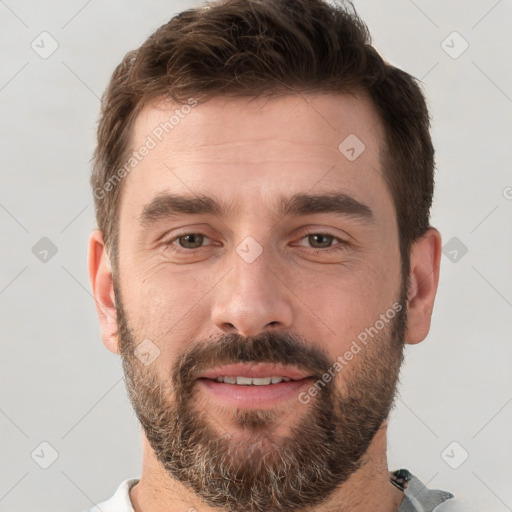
251, 298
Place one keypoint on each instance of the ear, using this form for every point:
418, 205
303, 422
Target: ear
424, 278
103, 290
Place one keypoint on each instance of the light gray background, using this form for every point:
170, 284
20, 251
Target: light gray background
61, 386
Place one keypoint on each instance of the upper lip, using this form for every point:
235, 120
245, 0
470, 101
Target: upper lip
257, 370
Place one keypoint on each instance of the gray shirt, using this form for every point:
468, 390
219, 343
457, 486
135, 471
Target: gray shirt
417, 497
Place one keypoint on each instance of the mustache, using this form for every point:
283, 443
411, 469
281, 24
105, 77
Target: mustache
270, 347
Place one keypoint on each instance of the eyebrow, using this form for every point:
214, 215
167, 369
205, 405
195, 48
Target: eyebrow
172, 205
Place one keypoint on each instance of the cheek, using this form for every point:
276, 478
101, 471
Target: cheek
160, 292
169, 307
342, 305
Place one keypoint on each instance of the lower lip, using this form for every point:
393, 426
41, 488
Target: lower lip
253, 396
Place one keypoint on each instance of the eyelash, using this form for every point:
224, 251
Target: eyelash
341, 243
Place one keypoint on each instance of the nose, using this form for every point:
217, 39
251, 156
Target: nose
252, 298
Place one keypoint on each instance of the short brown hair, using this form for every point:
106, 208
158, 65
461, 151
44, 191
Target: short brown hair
269, 47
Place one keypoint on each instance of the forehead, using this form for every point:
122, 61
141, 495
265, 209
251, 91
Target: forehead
257, 148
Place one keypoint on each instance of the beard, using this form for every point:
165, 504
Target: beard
259, 471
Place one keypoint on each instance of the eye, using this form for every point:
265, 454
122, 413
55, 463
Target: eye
188, 241
323, 242
188, 247
320, 240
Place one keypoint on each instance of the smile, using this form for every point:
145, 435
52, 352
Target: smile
252, 381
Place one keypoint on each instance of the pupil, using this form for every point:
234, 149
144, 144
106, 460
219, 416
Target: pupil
188, 241
316, 238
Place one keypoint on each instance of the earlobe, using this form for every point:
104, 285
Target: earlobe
102, 283
424, 279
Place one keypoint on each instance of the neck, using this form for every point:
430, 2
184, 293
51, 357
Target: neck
368, 488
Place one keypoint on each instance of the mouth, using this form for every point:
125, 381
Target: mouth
240, 380
253, 385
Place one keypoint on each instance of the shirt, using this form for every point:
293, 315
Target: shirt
417, 497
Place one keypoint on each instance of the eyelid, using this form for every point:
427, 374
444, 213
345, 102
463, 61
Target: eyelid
322, 230
182, 230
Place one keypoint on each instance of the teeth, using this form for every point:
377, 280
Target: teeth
263, 381
256, 381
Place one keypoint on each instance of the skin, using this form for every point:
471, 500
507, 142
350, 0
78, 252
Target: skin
251, 152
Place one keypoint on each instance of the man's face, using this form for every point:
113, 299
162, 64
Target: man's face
268, 278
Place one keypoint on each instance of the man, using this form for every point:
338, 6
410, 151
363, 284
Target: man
263, 182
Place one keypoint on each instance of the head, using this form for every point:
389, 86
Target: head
263, 181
